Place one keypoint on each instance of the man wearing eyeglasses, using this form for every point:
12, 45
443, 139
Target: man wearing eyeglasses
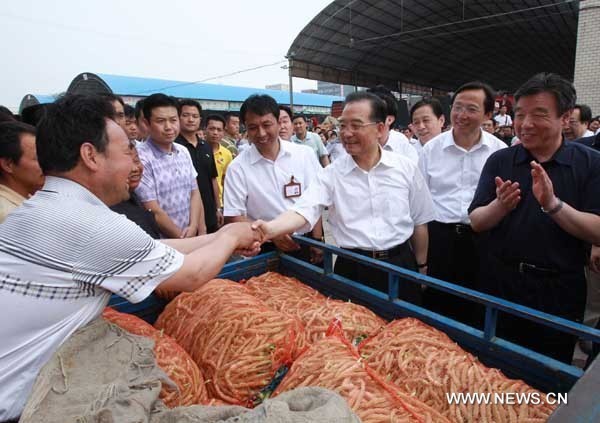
379, 204
451, 164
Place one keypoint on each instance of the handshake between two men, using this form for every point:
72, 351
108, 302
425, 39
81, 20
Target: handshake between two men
205, 255
252, 235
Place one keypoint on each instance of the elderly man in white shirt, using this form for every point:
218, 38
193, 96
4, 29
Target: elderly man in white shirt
271, 175
451, 164
378, 202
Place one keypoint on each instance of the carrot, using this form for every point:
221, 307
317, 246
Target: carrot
237, 341
314, 310
333, 363
170, 357
427, 364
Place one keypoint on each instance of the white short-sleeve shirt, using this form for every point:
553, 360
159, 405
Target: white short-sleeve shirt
452, 173
254, 186
505, 120
399, 144
62, 254
374, 210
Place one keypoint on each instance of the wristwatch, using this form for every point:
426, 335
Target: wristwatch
554, 210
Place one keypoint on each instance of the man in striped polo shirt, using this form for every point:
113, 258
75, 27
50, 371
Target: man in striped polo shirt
64, 252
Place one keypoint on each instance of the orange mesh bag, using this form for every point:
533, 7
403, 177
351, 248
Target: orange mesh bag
238, 342
170, 357
425, 363
316, 312
177, 317
333, 363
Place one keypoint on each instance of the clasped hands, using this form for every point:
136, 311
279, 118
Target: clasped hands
252, 235
508, 193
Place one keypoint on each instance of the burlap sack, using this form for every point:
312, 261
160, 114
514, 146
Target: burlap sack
103, 374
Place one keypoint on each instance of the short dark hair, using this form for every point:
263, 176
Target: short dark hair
113, 97
432, 102
229, 115
191, 103
139, 108
390, 101
217, 118
69, 122
6, 115
378, 106
585, 113
562, 90
300, 116
158, 100
129, 111
10, 139
490, 95
287, 110
259, 104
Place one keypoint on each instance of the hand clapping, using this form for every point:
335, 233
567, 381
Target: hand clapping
508, 193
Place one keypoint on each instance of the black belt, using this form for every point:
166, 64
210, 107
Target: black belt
457, 228
381, 254
536, 270
530, 268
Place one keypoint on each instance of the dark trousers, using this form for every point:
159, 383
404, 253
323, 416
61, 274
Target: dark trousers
378, 279
561, 294
453, 257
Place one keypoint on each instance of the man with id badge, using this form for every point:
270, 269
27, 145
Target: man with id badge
270, 176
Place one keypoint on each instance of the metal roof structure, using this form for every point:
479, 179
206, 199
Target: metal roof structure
35, 99
437, 43
88, 83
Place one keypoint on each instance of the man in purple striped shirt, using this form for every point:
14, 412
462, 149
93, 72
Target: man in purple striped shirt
168, 187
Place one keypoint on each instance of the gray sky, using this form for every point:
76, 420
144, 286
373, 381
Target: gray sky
47, 43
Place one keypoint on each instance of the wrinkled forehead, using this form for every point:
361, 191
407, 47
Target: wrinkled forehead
357, 110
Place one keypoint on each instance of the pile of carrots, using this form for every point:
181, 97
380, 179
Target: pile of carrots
244, 336
314, 310
422, 361
236, 339
333, 363
170, 357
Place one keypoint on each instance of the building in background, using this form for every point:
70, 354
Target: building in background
212, 97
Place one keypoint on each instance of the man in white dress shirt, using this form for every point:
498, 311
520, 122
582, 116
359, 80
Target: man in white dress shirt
451, 164
270, 176
378, 202
393, 141
503, 119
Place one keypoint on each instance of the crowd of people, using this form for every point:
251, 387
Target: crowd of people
103, 197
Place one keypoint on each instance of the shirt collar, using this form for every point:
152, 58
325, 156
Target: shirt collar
159, 152
348, 164
70, 188
562, 156
483, 141
255, 156
183, 141
11, 195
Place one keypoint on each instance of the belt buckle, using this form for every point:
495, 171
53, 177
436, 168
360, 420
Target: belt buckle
380, 255
460, 229
525, 267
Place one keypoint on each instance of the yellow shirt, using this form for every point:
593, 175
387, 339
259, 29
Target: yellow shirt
9, 200
222, 159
